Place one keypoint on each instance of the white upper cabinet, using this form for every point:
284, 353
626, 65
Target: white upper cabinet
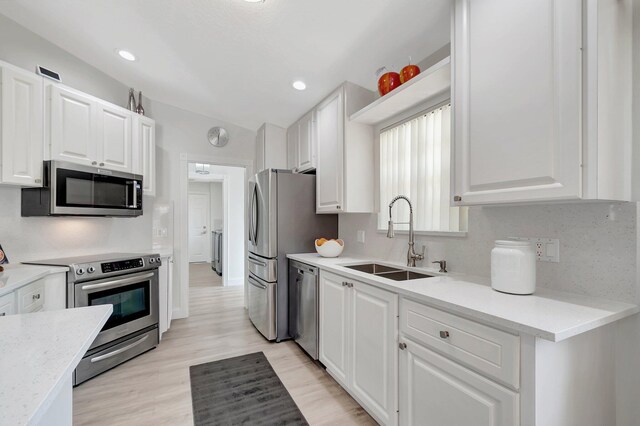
21, 121
526, 120
271, 147
73, 126
114, 137
144, 152
345, 160
301, 144
329, 175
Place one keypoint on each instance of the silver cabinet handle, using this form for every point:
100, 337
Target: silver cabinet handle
101, 164
337, 207
37, 180
444, 334
94, 163
119, 351
457, 198
256, 262
257, 284
118, 283
36, 296
2, 314
402, 346
344, 283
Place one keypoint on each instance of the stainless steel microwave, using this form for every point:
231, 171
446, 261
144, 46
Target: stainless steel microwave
74, 190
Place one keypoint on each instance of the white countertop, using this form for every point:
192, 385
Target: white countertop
164, 251
16, 275
38, 352
548, 314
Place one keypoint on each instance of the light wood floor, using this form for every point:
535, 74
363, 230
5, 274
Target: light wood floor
154, 389
201, 275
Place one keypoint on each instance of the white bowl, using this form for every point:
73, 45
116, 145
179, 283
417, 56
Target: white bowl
332, 248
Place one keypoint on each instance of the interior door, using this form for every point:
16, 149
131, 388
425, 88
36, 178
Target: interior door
199, 245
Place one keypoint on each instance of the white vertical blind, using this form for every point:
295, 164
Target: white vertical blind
415, 160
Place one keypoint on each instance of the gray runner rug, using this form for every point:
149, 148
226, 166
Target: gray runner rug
241, 391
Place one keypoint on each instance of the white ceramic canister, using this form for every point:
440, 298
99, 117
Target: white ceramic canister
513, 267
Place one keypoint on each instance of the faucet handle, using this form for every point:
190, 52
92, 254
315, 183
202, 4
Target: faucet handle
443, 265
421, 255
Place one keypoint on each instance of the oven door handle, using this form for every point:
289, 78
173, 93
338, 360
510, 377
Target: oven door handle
118, 283
119, 351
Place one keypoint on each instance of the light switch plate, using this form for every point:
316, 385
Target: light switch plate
360, 236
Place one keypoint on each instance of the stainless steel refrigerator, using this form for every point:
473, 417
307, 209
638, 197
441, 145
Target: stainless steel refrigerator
282, 220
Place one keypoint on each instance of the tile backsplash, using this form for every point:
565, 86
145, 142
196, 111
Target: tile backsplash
37, 238
597, 244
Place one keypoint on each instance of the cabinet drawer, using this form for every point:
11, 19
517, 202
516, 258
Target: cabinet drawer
7, 304
490, 351
31, 297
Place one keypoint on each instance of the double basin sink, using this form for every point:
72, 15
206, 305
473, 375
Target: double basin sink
389, 272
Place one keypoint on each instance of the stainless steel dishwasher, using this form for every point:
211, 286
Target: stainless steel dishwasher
303, 306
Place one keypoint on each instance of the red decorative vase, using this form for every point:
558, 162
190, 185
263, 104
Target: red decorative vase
387, 82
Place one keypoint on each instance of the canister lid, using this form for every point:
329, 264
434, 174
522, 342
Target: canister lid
513, 243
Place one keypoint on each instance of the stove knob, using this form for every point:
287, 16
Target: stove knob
79, 271
91, 269
152, 260
158, 259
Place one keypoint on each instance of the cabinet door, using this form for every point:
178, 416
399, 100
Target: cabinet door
114, 137
329, 174
292, 147
306, 143
260, 146
334, 333
7, 304
517, 100
73, 123
22, 123
144, 153
435, 391
374, 343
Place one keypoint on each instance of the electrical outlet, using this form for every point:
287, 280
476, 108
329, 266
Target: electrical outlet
547, 249
360, 236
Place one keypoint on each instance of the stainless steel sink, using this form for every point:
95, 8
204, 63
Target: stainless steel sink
373, 268
404, 275
389, 272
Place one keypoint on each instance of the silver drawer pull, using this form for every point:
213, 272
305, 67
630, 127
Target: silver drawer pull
402, 346
2, 314
119, 351
256, 262
444, 334
36, 296
344, 283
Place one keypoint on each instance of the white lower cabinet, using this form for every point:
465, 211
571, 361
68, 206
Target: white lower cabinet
436, 391
7, 304
358, 338
45, 294
165, 299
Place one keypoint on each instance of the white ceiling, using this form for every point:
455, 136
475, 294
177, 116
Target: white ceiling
236, 60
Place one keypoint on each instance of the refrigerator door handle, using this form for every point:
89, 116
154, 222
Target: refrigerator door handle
257, 214
251, 216
254, 283
257, 262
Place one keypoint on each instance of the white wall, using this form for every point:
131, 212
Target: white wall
180, 132
39, 238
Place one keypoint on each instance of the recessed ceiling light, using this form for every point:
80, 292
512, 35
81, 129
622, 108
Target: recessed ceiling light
299, 85
125, 54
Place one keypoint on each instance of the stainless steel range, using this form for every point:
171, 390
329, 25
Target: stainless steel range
129, 282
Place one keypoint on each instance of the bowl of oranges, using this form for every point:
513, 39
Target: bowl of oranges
329, 247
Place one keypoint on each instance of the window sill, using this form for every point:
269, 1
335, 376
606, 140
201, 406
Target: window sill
453, 234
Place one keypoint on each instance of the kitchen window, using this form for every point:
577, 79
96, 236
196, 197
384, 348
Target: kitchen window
415, 160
